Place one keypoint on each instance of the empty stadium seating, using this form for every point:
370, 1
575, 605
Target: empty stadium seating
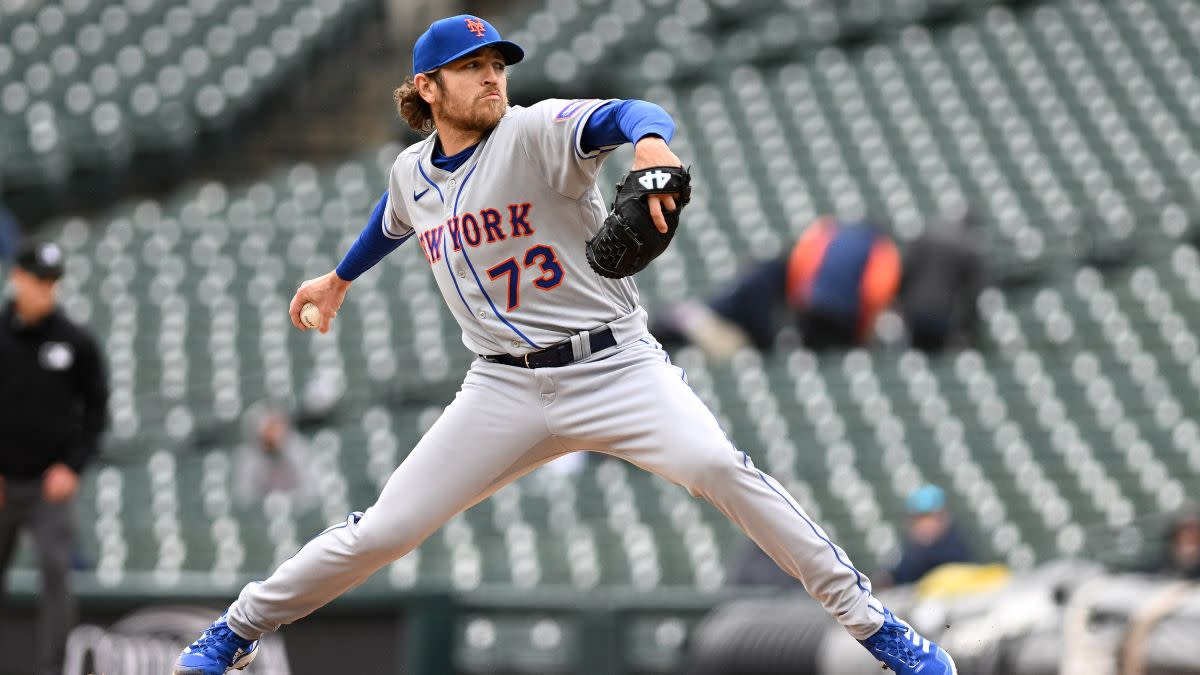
85, 83
1045, 121
578, 44
1067, 125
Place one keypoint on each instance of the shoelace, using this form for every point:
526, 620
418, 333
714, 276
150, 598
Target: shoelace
895, 644
217, 637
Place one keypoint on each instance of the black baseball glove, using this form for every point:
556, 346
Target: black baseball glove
628, 239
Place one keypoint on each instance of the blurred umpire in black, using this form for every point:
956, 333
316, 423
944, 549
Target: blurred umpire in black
53, 408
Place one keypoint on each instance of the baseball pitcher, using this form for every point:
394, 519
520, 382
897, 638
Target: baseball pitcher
503, 203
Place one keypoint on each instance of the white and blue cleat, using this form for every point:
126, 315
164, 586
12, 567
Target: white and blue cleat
900, 647
217, 651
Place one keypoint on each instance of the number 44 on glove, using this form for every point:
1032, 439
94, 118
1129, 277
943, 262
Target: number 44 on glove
628, 239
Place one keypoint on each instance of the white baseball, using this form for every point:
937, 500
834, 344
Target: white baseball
310, 316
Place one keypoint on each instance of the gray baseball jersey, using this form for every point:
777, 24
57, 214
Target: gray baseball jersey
504, 235
504, 232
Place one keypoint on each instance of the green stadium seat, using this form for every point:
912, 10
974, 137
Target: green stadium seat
1067, 125
143, 75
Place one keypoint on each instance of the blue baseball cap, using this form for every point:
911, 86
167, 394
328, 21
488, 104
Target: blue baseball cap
926, 499
456, 36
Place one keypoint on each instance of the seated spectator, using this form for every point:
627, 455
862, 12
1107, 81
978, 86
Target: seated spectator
931, 539
274, 459
1182, 557
939, 290
839, 278
833, 283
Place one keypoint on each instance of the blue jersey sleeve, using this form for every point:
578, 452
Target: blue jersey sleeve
370, 247
628, 121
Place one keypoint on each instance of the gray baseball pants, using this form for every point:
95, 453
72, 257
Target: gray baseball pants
52, 527
627, 401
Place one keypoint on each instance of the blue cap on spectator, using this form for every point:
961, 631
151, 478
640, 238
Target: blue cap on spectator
453, 37
926, 499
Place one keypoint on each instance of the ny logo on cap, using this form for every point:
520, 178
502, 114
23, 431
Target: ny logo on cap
476, 26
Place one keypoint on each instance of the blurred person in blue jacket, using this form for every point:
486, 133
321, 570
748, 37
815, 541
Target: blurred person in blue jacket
932, 538
833, 283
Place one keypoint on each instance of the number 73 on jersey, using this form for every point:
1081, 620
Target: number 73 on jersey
550, 273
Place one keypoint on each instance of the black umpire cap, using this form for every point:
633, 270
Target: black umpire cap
42, 259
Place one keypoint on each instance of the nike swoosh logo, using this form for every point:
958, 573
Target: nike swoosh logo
417, 195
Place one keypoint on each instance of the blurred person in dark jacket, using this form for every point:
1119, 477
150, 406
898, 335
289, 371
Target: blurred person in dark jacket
53, 409
939, 289
931, 539
833, 284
